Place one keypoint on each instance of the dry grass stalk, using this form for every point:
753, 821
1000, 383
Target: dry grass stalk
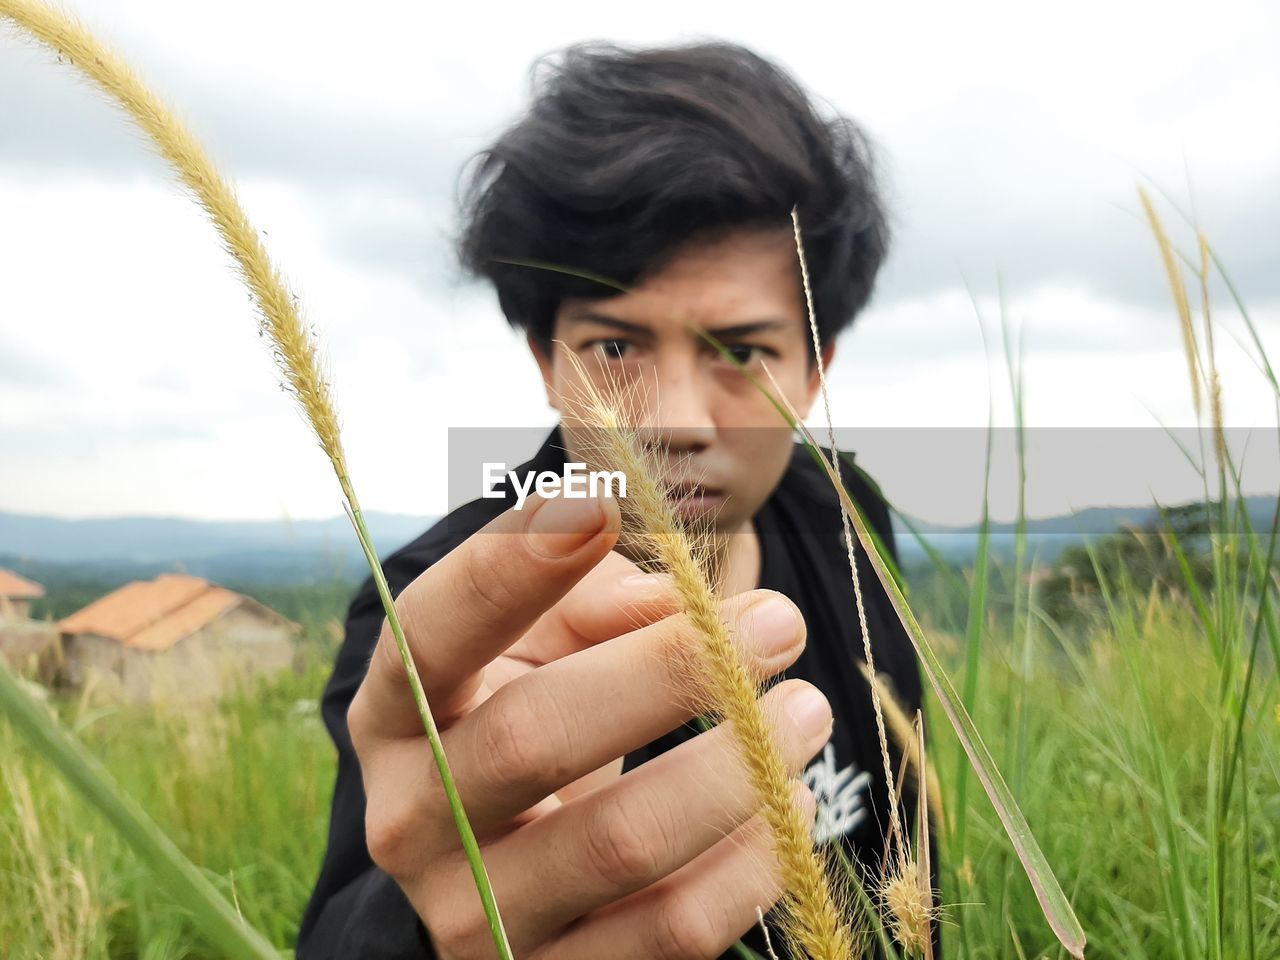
1204, 376
294, 346
905, 889
1215, 381
844, 521
904, 735
1170, 259
764, 928
63, 904
811, 909
847, 531
904, 885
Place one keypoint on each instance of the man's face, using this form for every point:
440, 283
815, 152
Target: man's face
714, 429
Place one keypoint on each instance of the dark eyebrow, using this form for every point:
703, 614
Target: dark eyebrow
743, 329
720, 333
590, 316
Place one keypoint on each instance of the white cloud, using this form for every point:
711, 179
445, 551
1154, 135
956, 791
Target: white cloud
131, 378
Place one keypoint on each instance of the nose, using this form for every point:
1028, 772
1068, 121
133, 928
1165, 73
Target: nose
678, 409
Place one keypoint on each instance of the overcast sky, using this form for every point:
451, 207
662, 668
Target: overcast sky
132, 380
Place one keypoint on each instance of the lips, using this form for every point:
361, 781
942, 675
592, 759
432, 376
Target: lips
687, 491
695, 501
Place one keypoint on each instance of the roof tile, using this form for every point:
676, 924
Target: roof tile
15, 587
154, 614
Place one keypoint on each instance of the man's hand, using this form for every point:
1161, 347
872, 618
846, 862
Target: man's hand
537, 712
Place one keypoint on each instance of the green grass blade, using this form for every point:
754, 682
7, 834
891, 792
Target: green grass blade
183, 881
467, 836
940, 564
740, 949
894, 570
973, 645
868, 907
1248, 320
1176, 880
1052, 899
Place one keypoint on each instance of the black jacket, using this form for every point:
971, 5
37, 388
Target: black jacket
357, 910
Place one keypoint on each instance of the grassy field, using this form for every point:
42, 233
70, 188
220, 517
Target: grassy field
242, 787
1139, 735
1112, 742
1111, 732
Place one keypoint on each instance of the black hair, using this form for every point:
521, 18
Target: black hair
624, 155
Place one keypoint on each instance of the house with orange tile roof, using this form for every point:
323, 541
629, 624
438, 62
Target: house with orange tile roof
29, 647
174, 637
16, 594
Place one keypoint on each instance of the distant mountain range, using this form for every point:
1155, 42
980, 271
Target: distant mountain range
1047, 537
275, 551
270, 551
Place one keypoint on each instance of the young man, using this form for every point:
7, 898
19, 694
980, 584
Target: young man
610, 827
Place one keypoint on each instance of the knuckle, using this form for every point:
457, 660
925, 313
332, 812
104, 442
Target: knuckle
517, 745
460, 931
359, 720
685, 929
385, 647
618, 847
390, 830
482, 590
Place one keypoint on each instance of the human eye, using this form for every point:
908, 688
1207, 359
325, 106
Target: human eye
748, 354
611, 348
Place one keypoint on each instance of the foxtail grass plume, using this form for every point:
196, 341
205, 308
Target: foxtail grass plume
908, 904
901, 889
293, 344
904, 889
906, 886
1169, 258
295, 349
813, 916
1053, 900
1203, 370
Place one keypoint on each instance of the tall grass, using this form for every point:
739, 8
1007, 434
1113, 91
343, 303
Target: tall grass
1142, 744
241, 785
297, 354
1153, 719
1054, 903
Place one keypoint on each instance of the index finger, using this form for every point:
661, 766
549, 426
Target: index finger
615, 597
476, 601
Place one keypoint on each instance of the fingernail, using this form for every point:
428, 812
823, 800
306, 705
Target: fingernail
560, 526
809, 710
774, 624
